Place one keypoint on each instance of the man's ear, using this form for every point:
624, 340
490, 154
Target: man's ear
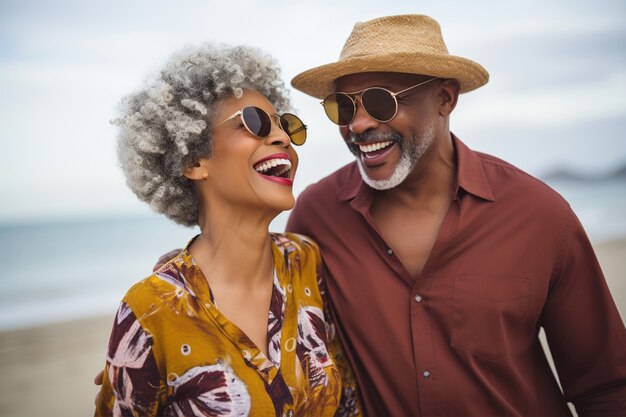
448, 95
198, 170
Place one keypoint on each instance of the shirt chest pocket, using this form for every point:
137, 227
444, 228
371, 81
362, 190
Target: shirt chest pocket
490, 315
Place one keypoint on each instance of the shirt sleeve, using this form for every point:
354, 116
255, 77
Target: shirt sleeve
584, 330
131, 383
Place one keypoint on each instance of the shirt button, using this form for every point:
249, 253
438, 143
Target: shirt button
389, 252
426, 374
418, 298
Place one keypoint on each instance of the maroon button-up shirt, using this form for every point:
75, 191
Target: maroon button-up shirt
461, 339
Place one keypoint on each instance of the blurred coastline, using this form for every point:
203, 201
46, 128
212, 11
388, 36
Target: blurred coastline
63, 270
63, 280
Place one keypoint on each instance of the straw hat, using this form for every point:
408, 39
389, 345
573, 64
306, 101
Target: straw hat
407, 43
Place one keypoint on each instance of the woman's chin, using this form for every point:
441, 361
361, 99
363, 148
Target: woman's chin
286, 204
275, 206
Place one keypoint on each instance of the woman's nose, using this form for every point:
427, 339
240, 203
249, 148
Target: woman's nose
278, 136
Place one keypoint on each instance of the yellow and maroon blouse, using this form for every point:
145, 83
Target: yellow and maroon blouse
173, 353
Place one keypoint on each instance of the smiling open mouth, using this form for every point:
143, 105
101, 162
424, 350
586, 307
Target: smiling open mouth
371, 147
277, 167
373, 152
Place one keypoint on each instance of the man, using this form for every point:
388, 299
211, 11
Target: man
444, 263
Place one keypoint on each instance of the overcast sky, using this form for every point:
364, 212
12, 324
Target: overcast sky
557, 94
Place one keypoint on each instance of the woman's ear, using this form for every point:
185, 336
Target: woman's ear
198, 170
448, 96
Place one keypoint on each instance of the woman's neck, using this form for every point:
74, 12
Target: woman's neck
234, 246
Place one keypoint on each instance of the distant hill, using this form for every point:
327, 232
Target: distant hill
572, 175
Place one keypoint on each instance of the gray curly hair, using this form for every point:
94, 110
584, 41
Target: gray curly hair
166, 126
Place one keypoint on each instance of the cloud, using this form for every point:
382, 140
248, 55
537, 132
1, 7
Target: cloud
64, 66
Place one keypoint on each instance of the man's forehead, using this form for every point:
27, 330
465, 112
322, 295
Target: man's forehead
379, 79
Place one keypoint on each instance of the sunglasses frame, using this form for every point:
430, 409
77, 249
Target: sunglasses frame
358, 95
278, 119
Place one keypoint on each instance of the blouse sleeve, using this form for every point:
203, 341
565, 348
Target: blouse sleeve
131, 381
350, 402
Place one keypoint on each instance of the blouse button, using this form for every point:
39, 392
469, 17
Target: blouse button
426, 374
389, 252
418, 298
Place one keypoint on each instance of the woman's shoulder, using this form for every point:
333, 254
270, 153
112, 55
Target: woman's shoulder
298, 252
295, 242
171, 278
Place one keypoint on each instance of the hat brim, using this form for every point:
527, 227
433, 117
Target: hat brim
318, 81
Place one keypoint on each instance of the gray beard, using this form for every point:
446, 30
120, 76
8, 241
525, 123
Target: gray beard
412, 151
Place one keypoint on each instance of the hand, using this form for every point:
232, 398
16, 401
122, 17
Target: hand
98, 381
165, 258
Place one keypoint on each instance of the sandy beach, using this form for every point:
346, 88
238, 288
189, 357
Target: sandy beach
47, 371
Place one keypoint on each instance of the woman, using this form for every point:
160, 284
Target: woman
235, 324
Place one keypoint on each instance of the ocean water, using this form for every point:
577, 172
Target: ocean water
64, 270
74, 269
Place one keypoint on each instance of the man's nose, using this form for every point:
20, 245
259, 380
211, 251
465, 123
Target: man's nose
362, 121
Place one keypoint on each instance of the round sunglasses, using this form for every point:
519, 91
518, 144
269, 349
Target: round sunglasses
380, 103
258, 122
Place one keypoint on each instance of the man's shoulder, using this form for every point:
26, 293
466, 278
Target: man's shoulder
507, 179
323, 203
496, 168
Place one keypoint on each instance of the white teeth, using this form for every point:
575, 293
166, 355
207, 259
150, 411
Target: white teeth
371, 147
267, 165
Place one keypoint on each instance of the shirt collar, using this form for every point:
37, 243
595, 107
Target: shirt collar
471, 176
353, 185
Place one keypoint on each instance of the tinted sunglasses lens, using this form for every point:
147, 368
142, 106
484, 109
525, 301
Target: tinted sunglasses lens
379, 103
339, 108
257, 121
294, 128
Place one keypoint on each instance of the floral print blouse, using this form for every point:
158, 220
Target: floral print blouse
172, 352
